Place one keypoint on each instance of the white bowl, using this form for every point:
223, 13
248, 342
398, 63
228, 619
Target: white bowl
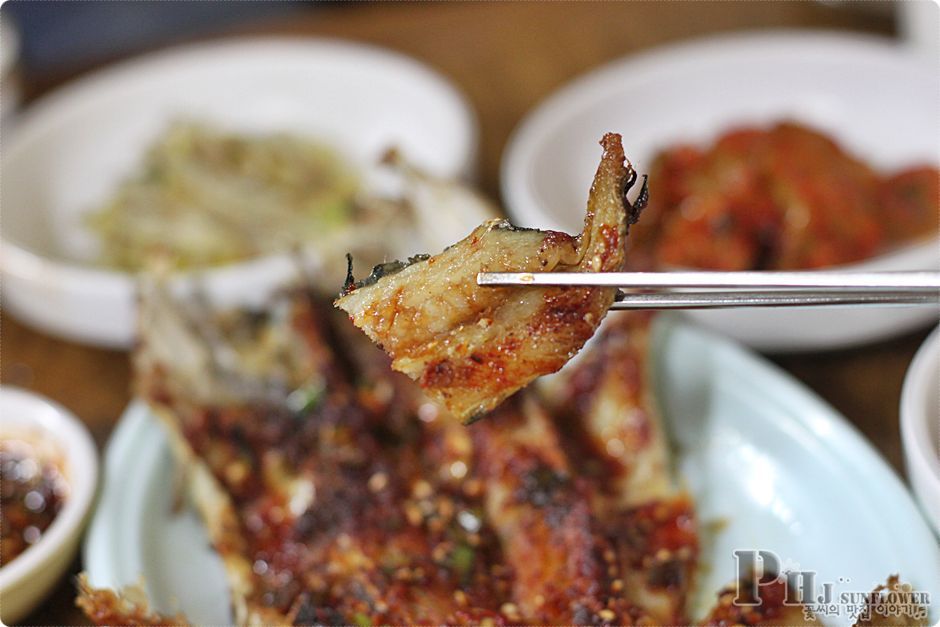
920, 427
32, 574
70, 151
875, 98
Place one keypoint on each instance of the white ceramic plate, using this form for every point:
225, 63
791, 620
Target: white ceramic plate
920, 426
69, 152
877, 99
781, 470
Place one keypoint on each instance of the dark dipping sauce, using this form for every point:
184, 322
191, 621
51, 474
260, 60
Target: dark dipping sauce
32, 493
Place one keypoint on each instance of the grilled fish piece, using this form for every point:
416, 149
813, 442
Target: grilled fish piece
127, 606
564, 567
605, 407
470, 347
905, 608
317, 497
767, 609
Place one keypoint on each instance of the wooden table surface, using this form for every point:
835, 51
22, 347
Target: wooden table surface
506, 57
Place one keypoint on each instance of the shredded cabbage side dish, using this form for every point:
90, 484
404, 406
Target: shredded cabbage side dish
204, 197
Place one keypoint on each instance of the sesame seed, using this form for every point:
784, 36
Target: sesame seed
473, 487
413, 514
276, 514
615, 447
421, 489
606, 615
427, 412
469, 521
378, 481
509, 610
458, 470
34, 501
445, 508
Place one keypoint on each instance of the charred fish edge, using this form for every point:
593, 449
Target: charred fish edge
378, 272
642, 199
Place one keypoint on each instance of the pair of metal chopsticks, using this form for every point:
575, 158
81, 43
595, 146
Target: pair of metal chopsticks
718, 290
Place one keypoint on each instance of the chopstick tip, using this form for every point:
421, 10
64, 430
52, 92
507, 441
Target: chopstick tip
505, 278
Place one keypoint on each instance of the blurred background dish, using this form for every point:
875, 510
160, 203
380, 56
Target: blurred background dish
695, 93
73, 150
919, 23
49, 476
920, 427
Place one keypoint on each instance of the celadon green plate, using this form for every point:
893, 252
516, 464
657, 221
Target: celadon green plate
772, 468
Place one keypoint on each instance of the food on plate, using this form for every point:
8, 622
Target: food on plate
204, 197
335, 491
128, 606
470, 347
894, 604
312, 481
610, 423
768, 608
33, 491
783, 197
889, 605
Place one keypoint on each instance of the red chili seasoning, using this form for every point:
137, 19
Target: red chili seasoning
787, 197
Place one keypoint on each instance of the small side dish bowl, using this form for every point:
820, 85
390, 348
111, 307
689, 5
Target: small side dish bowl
27, 578
873, 97
70, 152
920, 427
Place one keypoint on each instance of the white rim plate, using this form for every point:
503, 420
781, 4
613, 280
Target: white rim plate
920, 426
780, 469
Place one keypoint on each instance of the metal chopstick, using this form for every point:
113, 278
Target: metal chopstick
727, 300
917, 280
706, 290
